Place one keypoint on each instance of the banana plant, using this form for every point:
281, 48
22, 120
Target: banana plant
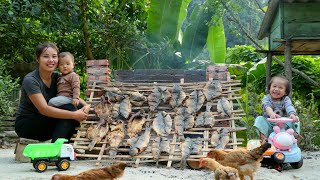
165, 18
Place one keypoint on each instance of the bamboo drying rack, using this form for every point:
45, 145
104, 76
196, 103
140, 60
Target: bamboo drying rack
100, 151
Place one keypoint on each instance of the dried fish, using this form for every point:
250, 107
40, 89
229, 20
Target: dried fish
114, 94
136, 98
196, 146
115, 137
140, 143
223, 138
162, 124
215, 136
154, 100
99, 133
103, 110
212, 89
165, 145
185, 152
177, 96
189, 146
116, 110
156, 148
125, 107
224, 107
183, 120
165, 93
195, 101
91, 132
205, 119
135, 123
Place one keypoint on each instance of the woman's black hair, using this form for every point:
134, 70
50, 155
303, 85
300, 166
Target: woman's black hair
288, 87
42, 47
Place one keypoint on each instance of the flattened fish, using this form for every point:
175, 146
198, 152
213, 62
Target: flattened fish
115, 137
135, 124
154, 100
215, 138
205, 119
165, 145
114, 94
162, 124
125, 107
155, 150
224, 107
185, 151
103, 110
212, 89
177, 96
196, 146
179, 126
195, 101
165, 93
183, 120
136, 98
116, 110
99, 133
140, 143
223, 138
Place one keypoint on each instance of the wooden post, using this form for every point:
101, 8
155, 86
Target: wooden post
268, 69
287, 63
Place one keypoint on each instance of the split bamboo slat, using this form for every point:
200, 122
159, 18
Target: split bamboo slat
100, 152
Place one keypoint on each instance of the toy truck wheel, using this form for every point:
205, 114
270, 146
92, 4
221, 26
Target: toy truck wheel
41, 166
297, 165
63, 165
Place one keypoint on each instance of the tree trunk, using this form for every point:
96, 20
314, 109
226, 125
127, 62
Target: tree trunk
85, 30
288, 66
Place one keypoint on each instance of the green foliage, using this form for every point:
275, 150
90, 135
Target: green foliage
7, 86
242, 53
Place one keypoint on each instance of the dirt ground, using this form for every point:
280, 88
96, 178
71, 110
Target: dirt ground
10, 169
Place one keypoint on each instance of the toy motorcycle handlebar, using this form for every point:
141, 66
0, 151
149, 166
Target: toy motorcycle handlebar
280, 120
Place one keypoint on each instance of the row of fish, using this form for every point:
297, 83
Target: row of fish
175, 96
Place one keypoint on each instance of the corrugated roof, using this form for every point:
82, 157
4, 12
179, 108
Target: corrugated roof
271, 12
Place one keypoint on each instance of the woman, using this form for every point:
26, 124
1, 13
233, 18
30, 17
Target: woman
37, 120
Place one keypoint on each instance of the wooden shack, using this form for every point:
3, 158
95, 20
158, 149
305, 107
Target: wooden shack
292, 28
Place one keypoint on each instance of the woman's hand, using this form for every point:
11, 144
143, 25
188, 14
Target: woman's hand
80, 115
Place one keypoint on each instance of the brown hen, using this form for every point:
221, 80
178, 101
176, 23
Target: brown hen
220, 172
106, 173
247, 162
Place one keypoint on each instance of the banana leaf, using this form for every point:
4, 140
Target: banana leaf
195, 35
216, 43
165, 18
257, 71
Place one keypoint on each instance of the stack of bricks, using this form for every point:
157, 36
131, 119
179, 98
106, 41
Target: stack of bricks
98, 72
217, 72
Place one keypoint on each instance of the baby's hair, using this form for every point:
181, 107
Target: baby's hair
64, 54
288, 87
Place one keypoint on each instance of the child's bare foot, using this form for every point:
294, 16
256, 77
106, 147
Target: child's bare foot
86, 108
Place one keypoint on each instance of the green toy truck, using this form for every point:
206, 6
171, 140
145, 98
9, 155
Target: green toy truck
44, 153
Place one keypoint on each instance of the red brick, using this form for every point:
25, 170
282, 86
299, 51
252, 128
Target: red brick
217, 68
99, 70
104, 78
102, 62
